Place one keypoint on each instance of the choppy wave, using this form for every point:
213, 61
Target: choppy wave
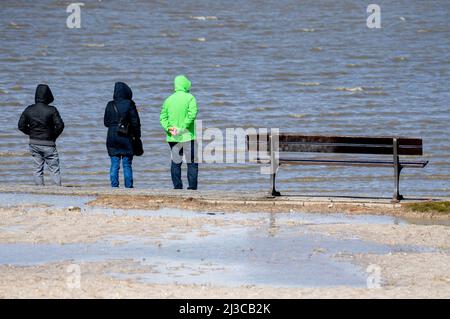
170, 34
308, 83
400, 59
15, 59
15, 88
93, 45
377, 93
14, 25
221, 103
41, 53
297, 116
14, 154
247, 70
203, 18
354, 89
332, 74
124, 26
362, 57
306, 30
11, 103
354, 65
261, 109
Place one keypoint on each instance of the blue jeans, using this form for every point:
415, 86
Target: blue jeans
192, 165
127, 170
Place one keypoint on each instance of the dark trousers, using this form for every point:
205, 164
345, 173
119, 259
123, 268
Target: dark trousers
177, 159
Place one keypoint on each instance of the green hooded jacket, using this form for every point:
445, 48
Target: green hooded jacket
180, 111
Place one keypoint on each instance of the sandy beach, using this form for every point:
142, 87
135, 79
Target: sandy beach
130, 246
425, 276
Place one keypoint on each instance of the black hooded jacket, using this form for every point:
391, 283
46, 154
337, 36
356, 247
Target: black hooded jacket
42, 121
116, 144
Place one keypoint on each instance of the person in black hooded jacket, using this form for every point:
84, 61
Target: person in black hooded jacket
43, 124
122, 110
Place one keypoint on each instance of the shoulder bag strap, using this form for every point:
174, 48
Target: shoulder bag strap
117, 112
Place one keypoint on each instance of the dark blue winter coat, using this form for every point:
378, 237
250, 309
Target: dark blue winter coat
116, 144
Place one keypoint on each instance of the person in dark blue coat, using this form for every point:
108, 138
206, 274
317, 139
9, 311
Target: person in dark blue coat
123, 123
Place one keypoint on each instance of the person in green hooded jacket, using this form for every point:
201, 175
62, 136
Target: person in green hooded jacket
177, 118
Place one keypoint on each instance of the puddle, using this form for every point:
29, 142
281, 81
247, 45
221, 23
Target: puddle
64, 201
276, 252
11, 229
304, 218
236, 256
58, 201
252, 257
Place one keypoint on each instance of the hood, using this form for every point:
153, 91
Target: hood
122, 91
181, 83
43, 94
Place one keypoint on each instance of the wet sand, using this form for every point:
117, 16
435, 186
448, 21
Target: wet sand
268, 205
136, 246
230, 201
414, 276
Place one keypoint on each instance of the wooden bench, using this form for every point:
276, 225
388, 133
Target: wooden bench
276, 149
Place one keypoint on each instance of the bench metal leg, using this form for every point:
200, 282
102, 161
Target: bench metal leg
273, 190
273, 165
397, 169
397, 197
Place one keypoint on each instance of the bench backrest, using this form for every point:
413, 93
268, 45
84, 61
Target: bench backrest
288, 142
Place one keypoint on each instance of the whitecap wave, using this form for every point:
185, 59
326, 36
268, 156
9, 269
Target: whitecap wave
355, 89
93, 45
308, 83
203, 18
14, 25
400, 59
306, 30
297, 116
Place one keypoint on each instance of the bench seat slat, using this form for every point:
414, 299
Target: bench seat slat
349, 149
337, 144
289, 161
288, 137
295, 138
